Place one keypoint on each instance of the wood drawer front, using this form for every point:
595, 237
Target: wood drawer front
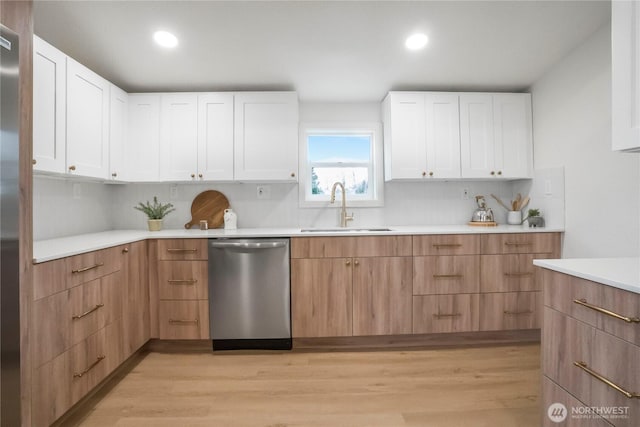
183, 280
87, 364
69, 317
50, 391
85, 267
445, 313
560, 291
552, 393
352, 246
446, 274
183, 249
187, 320
510, 310
446, 244
510, 273
49, 278
521, 243
567, 340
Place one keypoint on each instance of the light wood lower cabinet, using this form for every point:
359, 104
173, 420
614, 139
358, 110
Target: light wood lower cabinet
187, 320
321, 297
445, 313
585, 359
561, 415
135, 314
510, 310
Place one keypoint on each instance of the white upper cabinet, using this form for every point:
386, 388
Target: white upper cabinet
513, 141
49, 107
625, 70
495, 136
405, 150
119, 110
143, 138
476, 136
421, 135
443, 135
266, 136
87, 122
215, 136
179, 137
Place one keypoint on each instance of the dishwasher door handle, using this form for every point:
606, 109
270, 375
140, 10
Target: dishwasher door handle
246, 245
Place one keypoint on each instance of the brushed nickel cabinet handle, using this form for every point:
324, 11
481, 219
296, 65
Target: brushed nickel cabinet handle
446, 245
523, 274
182, 281
446, 315
517, 313
90, 367
86, 313
83, 269
182, 250
184, 321
448, 276
588, 370
583, 302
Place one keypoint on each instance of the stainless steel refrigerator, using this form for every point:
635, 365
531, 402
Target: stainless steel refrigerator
9, 270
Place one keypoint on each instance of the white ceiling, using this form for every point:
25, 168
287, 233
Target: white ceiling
331, 51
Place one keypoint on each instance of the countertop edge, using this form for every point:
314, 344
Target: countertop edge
52, 249
623, 273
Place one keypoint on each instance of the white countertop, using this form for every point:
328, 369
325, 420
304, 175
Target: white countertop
622, 273
47, 250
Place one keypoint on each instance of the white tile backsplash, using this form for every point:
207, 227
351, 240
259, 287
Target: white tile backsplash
105, 207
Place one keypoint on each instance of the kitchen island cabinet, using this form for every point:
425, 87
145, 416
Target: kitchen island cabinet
591, 340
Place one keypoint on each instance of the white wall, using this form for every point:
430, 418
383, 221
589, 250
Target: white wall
572, 129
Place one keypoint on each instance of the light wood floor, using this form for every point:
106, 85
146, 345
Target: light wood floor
485, 386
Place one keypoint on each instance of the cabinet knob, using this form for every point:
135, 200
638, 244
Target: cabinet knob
200, 175
431, 173
493, 173
424, 173
347, 262
356, 262
125, 251
499, 172
193, 175
34, 161
72, 168
114, 174
293, 174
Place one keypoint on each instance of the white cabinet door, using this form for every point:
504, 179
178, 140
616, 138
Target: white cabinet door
476, 136
625, 84
119, 106
442, 135
513, 147
49, 107
143, 138
215, 136
87, 122
404, 135
266, 136
179, 137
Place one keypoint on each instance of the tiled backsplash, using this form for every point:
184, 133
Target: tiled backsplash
103, 207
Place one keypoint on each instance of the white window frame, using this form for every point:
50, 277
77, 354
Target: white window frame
376, 171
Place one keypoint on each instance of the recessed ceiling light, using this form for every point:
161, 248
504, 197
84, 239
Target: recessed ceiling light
165, 39
416, 41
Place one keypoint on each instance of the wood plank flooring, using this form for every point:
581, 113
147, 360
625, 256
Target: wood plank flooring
482, 386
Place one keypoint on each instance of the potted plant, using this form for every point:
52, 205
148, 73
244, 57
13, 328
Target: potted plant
155, 212
534, 218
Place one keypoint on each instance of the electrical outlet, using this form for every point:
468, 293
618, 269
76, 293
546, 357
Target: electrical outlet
465, 194
264, 192
77, 190
173, 192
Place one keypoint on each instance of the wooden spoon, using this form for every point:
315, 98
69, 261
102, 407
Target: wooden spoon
500, 202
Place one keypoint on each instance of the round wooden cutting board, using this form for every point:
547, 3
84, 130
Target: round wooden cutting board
208, 205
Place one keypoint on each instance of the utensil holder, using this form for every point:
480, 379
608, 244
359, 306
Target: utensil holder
514, 217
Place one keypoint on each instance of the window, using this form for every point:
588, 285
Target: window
347, 153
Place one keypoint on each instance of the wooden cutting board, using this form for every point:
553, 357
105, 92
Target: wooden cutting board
208, 205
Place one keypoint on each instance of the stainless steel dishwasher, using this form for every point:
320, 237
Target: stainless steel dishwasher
249, 294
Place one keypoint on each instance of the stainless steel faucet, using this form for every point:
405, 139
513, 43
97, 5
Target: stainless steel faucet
343, 213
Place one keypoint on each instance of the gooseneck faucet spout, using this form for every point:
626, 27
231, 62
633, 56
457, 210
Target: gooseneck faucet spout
343, 213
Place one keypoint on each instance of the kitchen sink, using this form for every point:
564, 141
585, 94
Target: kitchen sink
343, 230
